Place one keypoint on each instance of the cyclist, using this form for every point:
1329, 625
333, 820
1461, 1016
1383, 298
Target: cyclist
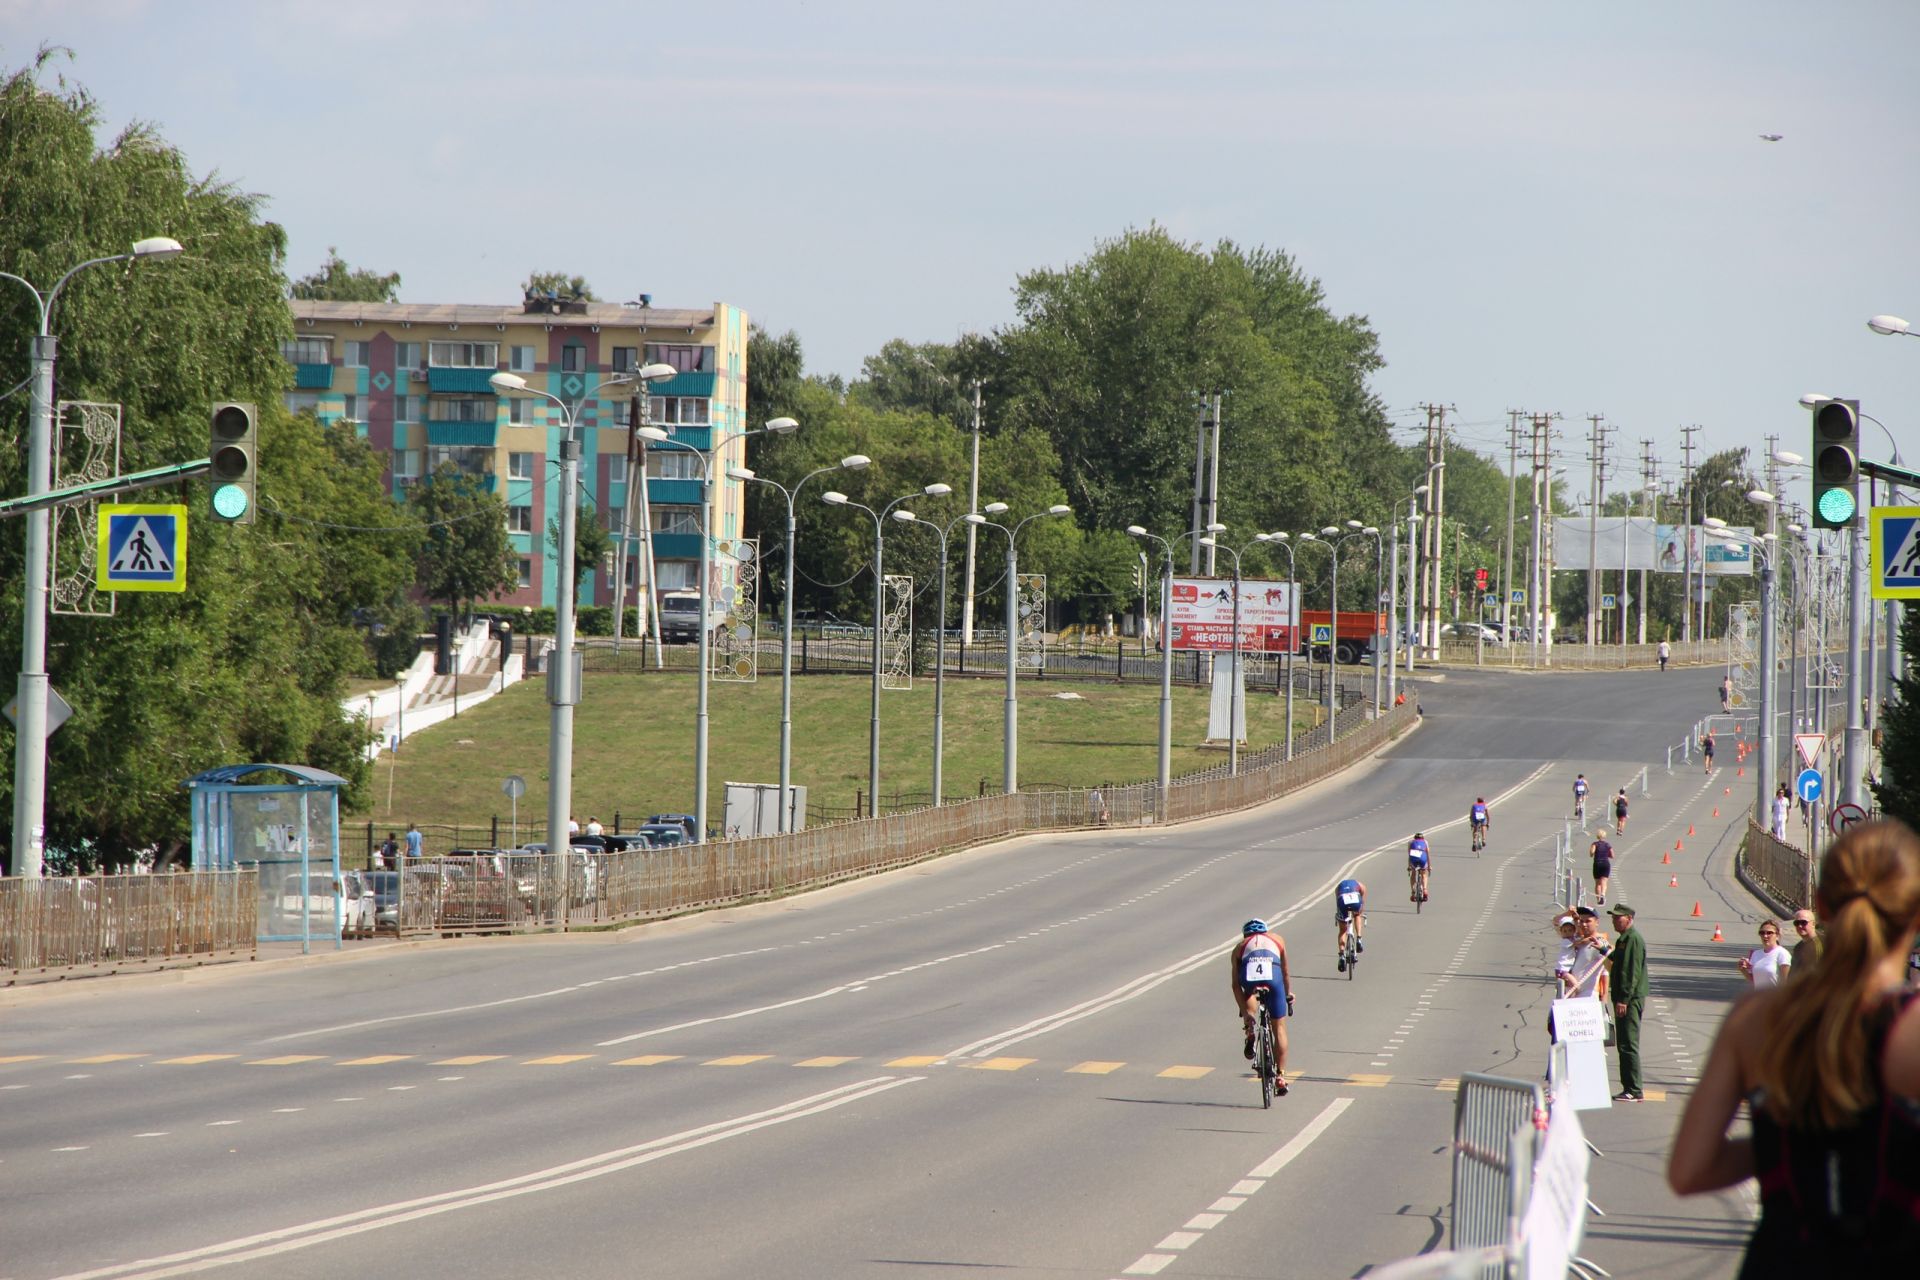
1419, 864
1349, 911
1602, 864
1478, 816
1259, 965
1620, 813
1579, 797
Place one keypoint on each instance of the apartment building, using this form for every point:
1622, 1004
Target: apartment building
413, 380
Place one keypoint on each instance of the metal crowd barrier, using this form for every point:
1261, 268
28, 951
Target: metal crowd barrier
1495, 1123
109, 922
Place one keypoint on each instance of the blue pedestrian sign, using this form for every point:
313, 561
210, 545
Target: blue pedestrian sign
141, 547
1322, 632
1807, 785
1607, 600
1517, 596
1894, 552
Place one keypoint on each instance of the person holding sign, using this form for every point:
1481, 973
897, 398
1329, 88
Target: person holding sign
1259, 964
1829, 1068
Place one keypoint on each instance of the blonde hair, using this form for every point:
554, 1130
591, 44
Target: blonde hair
1815, 1069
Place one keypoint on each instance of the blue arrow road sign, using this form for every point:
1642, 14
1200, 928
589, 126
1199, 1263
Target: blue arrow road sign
1807, 785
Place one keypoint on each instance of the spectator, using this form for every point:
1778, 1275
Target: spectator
1782, 802
1589, 971
1628, 971
1706, 749
1666, 652
1097, 807
389, 853
594, 828
414, 841
1726, 693
573, 825
1768, 964
1807, 950
1829, 1068
1563, 963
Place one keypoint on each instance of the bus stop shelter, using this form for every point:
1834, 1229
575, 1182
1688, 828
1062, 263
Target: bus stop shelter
285, 820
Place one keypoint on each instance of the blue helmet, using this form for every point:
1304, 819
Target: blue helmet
1252, 927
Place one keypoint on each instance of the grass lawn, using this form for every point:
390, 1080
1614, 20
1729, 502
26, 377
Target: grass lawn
633, 743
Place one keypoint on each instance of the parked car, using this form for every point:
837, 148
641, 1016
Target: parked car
357, 905
1469, 633
318, 902
686, 821
623, 841
385, 888
660, 835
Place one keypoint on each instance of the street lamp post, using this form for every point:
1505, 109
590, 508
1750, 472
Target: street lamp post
1280, 539
1314, 539
852, 462
1334, 538
30, 718
1010, 726
970, 519
1164, 773
1413, 571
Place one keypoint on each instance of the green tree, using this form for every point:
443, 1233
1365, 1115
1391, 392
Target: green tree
249, 663
335, 281
559, 283
1898, 787
773, 374
464, 552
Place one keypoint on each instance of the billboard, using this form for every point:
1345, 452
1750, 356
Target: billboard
1614, 539
1202, 615
1709, 549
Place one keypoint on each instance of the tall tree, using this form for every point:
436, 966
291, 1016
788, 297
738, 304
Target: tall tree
249, 663
559, 284
335, 281
774, 367
464, 552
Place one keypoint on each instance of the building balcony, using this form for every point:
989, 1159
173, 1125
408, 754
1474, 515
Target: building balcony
444, 381
700, 438
676, 546
674, 493
449, 434
313, 377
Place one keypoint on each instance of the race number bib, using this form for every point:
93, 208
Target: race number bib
1258, 969
1351, 898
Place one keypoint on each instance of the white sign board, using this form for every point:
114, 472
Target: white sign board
1808, 745
1581, 1024
1202, 615
1556, 1214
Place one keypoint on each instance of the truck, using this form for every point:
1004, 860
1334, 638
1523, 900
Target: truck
680, 616
1357, 635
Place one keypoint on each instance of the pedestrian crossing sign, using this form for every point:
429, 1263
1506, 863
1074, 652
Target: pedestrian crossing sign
1894, 552
1517, 596
1322, 632
141, 547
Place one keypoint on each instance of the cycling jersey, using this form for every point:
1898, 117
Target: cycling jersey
1259, 969
1580, 786
1349, 899
1479, 815
1417, 853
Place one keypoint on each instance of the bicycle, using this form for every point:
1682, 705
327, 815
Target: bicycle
1350, 949
1414, 890
1580, 809
1479, 836
1266, 1053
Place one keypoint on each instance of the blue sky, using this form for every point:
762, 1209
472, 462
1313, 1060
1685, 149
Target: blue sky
1548, 207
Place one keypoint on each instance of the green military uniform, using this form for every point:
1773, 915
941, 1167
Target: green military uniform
1627, 975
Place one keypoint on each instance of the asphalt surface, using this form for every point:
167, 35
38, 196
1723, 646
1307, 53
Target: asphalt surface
1018, 1061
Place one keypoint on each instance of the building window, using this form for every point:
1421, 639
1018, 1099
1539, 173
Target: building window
467, 459
463, 355
687, 359
406, 408
462, 408
573, 358
673, 464
520, 359
308, 350
406, 355
677, 411
616, 465
626, 359
355, 409
406, 464
676, 575
520, 466
676, 520
519, 519
526, 572
359, 354
623, 413
519, 410
303, 402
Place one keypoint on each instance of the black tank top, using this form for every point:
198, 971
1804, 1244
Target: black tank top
1840, 1201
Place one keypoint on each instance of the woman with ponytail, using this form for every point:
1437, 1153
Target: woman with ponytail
1829, 1066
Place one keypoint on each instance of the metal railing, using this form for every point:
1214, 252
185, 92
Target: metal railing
1575, 655
1784, 871
117, 921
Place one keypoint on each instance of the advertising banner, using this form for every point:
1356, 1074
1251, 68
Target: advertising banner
1631, 538
1202, 615
1718, 554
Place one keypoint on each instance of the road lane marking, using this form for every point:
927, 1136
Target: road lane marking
321, 1231
737, 1060
1227, 1204
470, 1060
917, 1060
95, 1060
557, 1060
825, 1062
648, 1060
162, 1134
289, 1060
1183, 1073
1205, 1221
1365, 1081
1095, 1068
195, 1059
1150, 1264
23, 1057
725, 1017
1246, 1187
377, 1060
1300, 1141
1178, 1240
1001, 1064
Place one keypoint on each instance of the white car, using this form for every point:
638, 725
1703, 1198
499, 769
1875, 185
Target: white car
1469, 633
332, 908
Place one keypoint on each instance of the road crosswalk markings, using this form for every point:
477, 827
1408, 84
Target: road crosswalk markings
917, 1061
1184, 1073
824, 1062
470, 1060
1095, 1068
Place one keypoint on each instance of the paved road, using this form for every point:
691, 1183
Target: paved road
1018, 1061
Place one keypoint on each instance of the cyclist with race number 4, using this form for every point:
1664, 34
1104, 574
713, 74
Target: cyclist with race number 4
1349, 912
1480, 819
1260, 972
1419, 866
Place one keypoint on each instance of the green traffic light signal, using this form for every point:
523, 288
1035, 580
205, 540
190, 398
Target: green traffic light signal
231, 443
1836, 463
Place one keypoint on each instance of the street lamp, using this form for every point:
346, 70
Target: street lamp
1233, 696
1413, 569
1164, 775
30, 718
852, 462
1766, 549
834, 498
970, 519
1891, 325
1333, 538
777, 426
1010, 728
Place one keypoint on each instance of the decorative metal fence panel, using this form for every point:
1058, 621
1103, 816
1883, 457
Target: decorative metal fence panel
93, 922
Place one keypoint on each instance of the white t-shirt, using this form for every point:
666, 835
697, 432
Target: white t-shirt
1589, 963
594, 828
1769, 967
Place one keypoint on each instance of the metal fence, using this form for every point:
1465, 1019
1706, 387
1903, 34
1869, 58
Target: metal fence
1494, 1123
1575, 655
1782, 870
515, 892
110, 922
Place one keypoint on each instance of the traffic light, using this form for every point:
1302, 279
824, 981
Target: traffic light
1836, 463
231, 449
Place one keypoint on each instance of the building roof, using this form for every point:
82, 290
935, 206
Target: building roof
607, 315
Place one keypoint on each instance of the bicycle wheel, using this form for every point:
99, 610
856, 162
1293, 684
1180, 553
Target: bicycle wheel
1263, 1057
1353, 956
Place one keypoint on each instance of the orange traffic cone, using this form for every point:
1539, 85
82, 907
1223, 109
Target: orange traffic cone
1678, 845
1696, 912
1689, 828
1716, 811
1673, 882
1666, 859
1717, 935
1740, 772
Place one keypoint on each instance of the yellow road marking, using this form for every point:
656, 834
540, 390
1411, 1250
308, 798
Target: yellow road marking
470, 1060
648, 1060
1656, 1095
291, 1059
1095, 1068
1184, 1073
1447, 1084
96, 1058
556, 1060
824, 1062
923, 1061
738, 1060
195, 1059
1369, 1081
377, 1060
1001, 1064
28, 1057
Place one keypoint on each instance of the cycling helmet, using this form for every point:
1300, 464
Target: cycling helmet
1419, 835
1480, 800
1252, 927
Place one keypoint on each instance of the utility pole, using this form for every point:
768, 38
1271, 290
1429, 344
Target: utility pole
1436, 512
1199, 490
1648, 469
973, 504
1686, 497
1506, 573
1213, 496
1536, 546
